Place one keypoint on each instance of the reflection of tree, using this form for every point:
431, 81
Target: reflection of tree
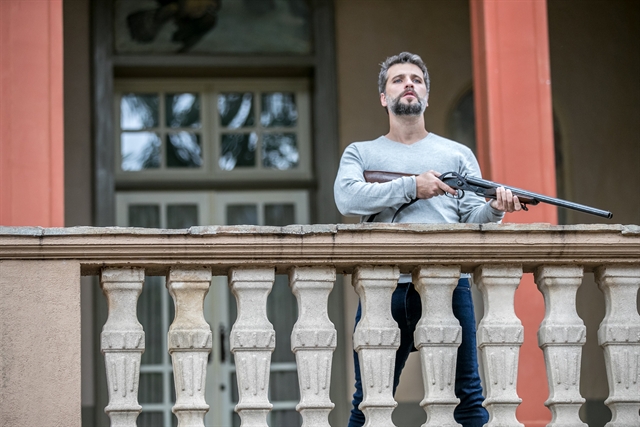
193, 19
298, 8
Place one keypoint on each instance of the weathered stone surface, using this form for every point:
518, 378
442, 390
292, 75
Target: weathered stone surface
252, 342
561, 337
190, 342
376, 340
40, 383
620, 340
313, 340
438, 336
500, 335
122, 343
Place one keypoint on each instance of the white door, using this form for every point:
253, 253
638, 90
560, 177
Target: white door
156, 311
275, 208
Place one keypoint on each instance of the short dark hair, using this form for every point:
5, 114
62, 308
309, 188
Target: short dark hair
401, 58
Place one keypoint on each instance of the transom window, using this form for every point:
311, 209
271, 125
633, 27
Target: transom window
223, 130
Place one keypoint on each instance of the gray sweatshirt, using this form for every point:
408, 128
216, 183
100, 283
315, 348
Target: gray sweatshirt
355, 197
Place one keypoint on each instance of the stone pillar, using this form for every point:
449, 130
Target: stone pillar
122, 343
438, 336
561, 337
500, 335
252, 342
313, 340
190, 342
376, 340
619, 336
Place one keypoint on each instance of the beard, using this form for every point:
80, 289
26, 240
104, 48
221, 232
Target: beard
399, 108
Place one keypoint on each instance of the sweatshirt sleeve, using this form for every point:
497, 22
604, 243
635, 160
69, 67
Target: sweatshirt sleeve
355, 197
474, 208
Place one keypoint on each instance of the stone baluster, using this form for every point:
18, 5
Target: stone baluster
252, 339
313, 341
376, 339
438, 336
190, 342
619, 336
561, 337
122, 343
500, 335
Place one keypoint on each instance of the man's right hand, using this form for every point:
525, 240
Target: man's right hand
428, 185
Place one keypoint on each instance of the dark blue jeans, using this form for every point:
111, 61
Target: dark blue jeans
406, 309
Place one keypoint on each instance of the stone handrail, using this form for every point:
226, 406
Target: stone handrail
375, 254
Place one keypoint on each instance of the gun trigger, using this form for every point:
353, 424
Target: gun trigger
524, 206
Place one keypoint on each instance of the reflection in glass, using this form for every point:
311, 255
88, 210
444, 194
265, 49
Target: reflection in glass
235, 109
286, 417
182, 216
238, 150
212, 27
139, 111
282, 311
183, 110
280, 151
278, 109
242, 215
281, 389
150, 388
184, 150
149, 314
147, 216
279, 214
150, 419
140, 150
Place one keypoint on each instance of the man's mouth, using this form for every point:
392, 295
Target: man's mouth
409, 93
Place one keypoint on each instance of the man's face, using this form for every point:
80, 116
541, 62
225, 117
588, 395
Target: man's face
406, 91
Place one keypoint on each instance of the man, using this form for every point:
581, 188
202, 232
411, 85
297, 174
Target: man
408, 147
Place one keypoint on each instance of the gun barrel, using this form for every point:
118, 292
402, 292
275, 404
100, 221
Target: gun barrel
542, 198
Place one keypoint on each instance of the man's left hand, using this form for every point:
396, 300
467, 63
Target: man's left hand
505, 201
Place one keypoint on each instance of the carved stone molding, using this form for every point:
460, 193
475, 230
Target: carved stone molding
342, 246
619, 336
313, 340
561, 337
438, 336
190, 342
252, 339
376, 340
122, 343
500, 335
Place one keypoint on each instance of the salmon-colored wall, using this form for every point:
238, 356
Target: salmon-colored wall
515, 145
31, 113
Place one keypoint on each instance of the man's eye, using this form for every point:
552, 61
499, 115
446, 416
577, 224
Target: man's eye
417, 81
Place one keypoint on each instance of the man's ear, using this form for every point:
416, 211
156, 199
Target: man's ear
383, 100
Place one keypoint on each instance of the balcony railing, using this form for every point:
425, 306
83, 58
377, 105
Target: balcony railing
40, 272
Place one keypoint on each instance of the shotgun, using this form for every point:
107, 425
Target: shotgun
487, 189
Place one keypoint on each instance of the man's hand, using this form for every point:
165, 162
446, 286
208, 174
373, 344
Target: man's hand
428, 185
505, 201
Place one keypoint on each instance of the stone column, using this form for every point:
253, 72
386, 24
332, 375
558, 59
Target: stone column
190, 342
561, 337
313, 340
619, 336
376, 340
500, 335
252, 342
122, 343
438, 336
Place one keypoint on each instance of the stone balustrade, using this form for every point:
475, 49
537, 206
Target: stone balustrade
375, 255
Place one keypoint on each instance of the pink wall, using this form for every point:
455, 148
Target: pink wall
515, 147
31, 113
